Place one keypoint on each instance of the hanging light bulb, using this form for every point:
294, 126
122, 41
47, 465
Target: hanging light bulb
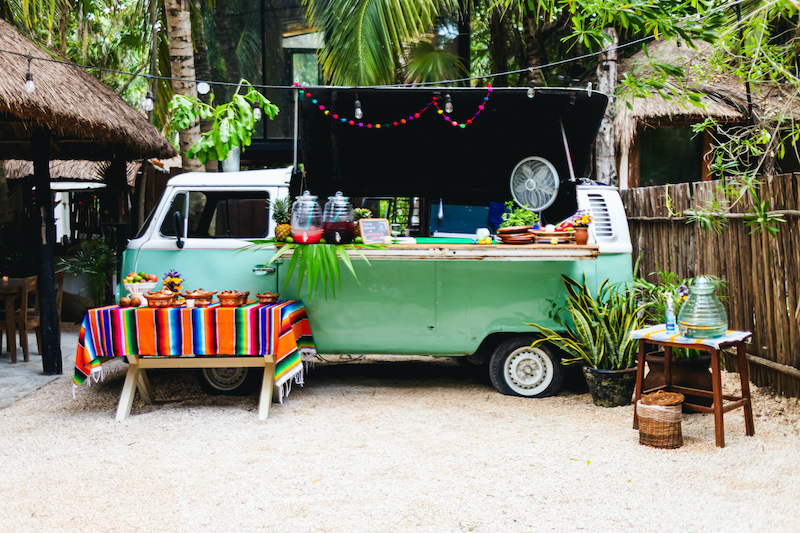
531, 90
29, 85
203, 88
359, 114
448, 104
147, 102
257, 112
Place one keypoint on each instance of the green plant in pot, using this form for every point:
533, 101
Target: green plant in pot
598, 335
96, 261
689, 368
518, 216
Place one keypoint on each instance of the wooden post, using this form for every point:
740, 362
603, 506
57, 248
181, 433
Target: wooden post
51, 338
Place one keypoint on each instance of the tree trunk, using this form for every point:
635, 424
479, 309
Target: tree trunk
227, 42
48, 309
499, 32
181, 59
605, 153
535, 33
203, 71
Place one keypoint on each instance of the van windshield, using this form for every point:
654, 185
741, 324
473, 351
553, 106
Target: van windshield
220, 214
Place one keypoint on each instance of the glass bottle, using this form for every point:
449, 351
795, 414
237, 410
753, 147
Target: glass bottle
702, 316
306, 219
338, 226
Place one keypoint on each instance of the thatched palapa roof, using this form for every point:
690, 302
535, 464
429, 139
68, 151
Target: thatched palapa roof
724, 96
88, 119
79, 171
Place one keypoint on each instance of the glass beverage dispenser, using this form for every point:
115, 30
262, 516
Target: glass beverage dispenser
338, 223
306, 219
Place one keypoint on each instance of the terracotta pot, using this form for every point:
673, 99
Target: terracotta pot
610, 388
581, 235
693, 372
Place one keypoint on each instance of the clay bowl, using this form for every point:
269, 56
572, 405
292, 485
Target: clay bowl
159, 299
513, 230
267, 298
521, 238
234, 298
199, 295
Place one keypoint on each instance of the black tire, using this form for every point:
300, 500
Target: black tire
516, 369
229, 381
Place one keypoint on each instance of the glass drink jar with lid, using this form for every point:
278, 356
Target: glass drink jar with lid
338, 223
306, 219
702, 316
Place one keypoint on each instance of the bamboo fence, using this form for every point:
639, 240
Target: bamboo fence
762, 272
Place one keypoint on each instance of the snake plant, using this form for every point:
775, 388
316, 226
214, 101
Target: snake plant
598, 333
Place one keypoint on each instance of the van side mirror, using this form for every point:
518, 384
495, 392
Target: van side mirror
176, 216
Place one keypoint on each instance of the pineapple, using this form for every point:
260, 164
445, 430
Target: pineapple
281, 214
359, 213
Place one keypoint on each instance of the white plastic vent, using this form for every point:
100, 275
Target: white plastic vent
602, 219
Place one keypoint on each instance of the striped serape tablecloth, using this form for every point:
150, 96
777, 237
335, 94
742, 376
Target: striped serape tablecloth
281, 329
659, 333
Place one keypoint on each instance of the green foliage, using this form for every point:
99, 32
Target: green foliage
95, 260
233, 122
318, 262
518, 216
599, 327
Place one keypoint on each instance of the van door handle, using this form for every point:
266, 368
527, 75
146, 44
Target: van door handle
262, 270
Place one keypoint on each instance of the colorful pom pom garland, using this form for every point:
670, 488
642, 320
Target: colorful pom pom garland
304, 93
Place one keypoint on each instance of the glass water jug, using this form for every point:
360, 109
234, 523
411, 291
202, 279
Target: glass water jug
338, 224
306, 219
702, 316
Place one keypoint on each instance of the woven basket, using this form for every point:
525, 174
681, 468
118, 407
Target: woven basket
660, 419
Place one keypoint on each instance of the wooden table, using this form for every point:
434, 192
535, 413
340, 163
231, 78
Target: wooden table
658, 335
9, 291
271, 337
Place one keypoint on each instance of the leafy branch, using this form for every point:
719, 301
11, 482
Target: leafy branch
232, 126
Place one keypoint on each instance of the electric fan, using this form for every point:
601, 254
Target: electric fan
534, 184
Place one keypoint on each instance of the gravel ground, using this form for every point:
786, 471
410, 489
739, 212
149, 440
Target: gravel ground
404, 444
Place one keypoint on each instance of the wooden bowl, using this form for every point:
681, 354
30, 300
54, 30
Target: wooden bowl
267, 298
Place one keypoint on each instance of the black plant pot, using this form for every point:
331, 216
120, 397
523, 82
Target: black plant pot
610, 388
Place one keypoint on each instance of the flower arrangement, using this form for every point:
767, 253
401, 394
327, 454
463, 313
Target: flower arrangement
582, 218
173, 281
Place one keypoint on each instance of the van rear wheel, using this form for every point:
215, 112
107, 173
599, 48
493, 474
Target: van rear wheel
516, 369
229, 381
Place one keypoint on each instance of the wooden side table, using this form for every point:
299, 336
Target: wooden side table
658, 335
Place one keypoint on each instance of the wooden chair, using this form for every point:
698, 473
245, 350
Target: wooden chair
28, 316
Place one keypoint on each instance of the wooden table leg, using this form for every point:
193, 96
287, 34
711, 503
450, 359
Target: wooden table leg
667, 367
12, 327
639, 383
128, 390
265, 399
145, 389
716, 382
744, 376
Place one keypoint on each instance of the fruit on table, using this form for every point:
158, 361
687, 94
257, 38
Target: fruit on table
135, 301
281, 214
140, 277
564, 226
124, 302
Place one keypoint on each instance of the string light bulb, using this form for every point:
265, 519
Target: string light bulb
358, 114
448, 104
203, 88
531, 89
257, 112
147, 102
29, 85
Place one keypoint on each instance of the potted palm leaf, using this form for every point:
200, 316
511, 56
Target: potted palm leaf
598, 335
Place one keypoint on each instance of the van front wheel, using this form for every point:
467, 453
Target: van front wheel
228, 381
516, 369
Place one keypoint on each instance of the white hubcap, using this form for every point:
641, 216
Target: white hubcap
528, 371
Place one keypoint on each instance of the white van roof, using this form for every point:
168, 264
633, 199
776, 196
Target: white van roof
246, 178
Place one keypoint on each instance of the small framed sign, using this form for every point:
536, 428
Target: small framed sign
373, 230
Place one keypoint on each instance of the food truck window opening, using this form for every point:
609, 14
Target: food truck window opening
221, 214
